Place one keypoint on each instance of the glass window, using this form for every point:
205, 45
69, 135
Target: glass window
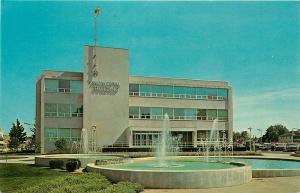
75, 134
76, 110
211, 93
190, 92
222, 92
201, 114
145, 112
50, 133
50, 110
134, 112
64, 85
169, 112
51, 85
134, 89
145, 90
156, 113
179, 91
76, 86
211, 114
222, 114
156, 90
64, 133
63, 110
167, 91
190, 114
178, 113
201, 91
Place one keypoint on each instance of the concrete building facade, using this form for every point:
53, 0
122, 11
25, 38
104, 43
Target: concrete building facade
127, 111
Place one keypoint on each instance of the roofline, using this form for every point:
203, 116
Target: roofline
106, 47
223, 81
62, 71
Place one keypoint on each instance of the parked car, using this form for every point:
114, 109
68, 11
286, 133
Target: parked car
292, 147
280, 146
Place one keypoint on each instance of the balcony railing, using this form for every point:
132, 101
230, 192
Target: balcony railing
60, 115
177, 118
177, 96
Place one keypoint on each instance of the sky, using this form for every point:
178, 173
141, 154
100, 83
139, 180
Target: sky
255, 46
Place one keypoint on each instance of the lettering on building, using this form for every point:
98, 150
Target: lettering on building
104, 88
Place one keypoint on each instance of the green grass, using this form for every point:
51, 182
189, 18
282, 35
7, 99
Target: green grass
20, 178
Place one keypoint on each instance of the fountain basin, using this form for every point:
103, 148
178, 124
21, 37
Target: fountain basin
219, 175
43, 160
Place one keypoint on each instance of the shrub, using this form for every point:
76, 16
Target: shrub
76, 160
72, 165
61, 144
56, 164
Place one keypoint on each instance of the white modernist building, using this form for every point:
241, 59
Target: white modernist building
126, 111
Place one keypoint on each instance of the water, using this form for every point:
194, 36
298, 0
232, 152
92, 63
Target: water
177, 164
269, 164
84, 142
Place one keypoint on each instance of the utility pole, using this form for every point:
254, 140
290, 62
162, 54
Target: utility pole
261, 135
250, 139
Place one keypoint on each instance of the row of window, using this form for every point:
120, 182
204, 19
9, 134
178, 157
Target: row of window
177, 113
63, 110
147, 90
72, 134
65, 86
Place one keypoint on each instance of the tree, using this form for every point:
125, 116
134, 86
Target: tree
17, 135
273, 132
61, 144
240, 137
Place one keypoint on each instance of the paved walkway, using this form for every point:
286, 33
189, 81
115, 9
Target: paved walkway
22, 159
257, 185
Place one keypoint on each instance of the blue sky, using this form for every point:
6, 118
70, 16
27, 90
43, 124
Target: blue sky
254, 46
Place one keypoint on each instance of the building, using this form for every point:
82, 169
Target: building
290, 137
127, 111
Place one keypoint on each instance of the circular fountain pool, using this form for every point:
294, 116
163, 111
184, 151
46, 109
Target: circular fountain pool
181, 172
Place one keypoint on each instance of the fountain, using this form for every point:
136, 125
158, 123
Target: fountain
84, 142
165, 171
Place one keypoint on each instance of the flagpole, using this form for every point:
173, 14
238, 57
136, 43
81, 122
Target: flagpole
96, 13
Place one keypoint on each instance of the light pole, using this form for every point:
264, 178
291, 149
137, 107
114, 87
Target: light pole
261, 135
250, 139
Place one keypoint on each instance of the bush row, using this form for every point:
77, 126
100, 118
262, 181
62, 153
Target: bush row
85, 182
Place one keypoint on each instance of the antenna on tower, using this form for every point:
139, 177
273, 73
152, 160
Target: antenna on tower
96, 13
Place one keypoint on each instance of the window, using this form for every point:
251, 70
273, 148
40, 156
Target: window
222, 93
190, 114
156, 90
167, 91
64, 133
50, 110
201, 93
201, 114
179, 114
211, 93
75, 134
211, 114
179, 91
190, 92
51, 85
50, 134
156, 113
222, 114
145, 112
134, 112
63, 110
64, 85
76, 86
145, 90
169, 112
134, 89
76, 110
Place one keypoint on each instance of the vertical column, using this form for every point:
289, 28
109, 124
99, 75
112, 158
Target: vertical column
195, 137
230, 114
42, 116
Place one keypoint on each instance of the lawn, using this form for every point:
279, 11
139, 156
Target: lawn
23, 178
